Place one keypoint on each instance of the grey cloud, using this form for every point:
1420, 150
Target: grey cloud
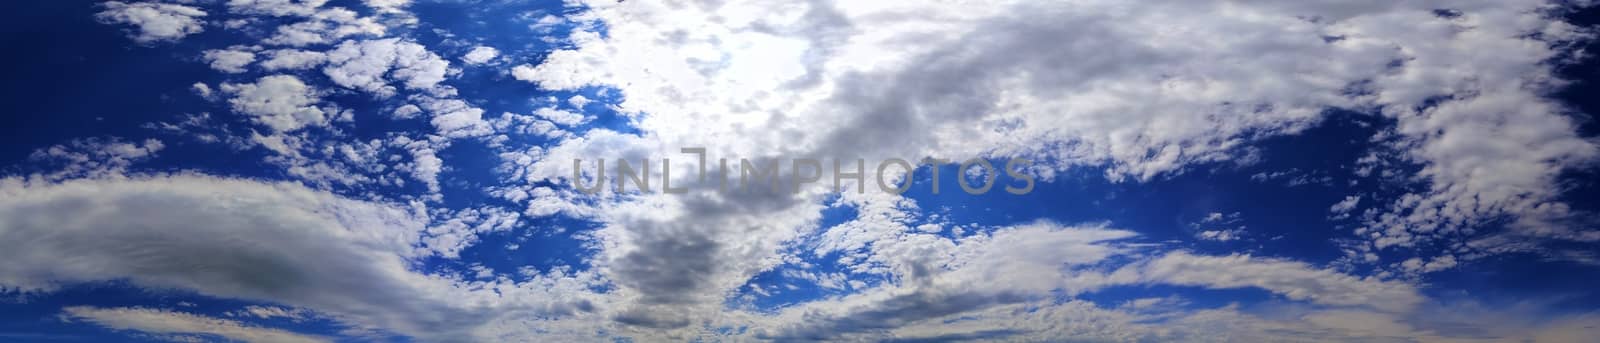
279, 243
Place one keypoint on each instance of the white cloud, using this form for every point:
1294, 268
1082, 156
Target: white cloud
232, 61
290, 59
1220, 227
1341, 210
512, 123
204, 91
276, 8
525, 73
156, 22
325, 27
480, 55
270, 312
1294, 280
566, 118
372, 65
1221, 235
281, 102
455, 118
1345, 206
579, 101
163, 322
388, 5
94, 157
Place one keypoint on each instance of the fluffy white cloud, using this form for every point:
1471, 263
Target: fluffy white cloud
155, 21
456, 118
233, 60
388, 5
1345, 206
276, 8
290, 59
372, 65
281, 102
566, 118
326, 26
480, 55
179, 325
93, 157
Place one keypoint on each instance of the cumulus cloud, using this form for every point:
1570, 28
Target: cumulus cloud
290, 59
456, 118
388, 5
276, 8
480, 55
371, 66
566, 118
93, 157
281, 102
324, 27
232, 60
155, 22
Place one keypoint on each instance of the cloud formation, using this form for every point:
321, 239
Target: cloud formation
177, 325
154, 22
1134, 91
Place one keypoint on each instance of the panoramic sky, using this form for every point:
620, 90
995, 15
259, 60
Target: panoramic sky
459, 171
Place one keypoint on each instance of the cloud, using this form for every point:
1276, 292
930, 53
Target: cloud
156, 22
562, 117
232, 238
324, 27
290, 59
281, 102
163, 322
456, 118
270, 312
1345, 206
1128, 94
232, 60
388, 5
276, 8
1221, 235
480, 55
1294, 280
371, 66
93, 157
242, 239
1013, 274
1140, 90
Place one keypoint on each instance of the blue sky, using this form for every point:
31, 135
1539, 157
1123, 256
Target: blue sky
400, 170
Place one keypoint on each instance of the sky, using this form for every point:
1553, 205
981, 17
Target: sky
1165, 171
